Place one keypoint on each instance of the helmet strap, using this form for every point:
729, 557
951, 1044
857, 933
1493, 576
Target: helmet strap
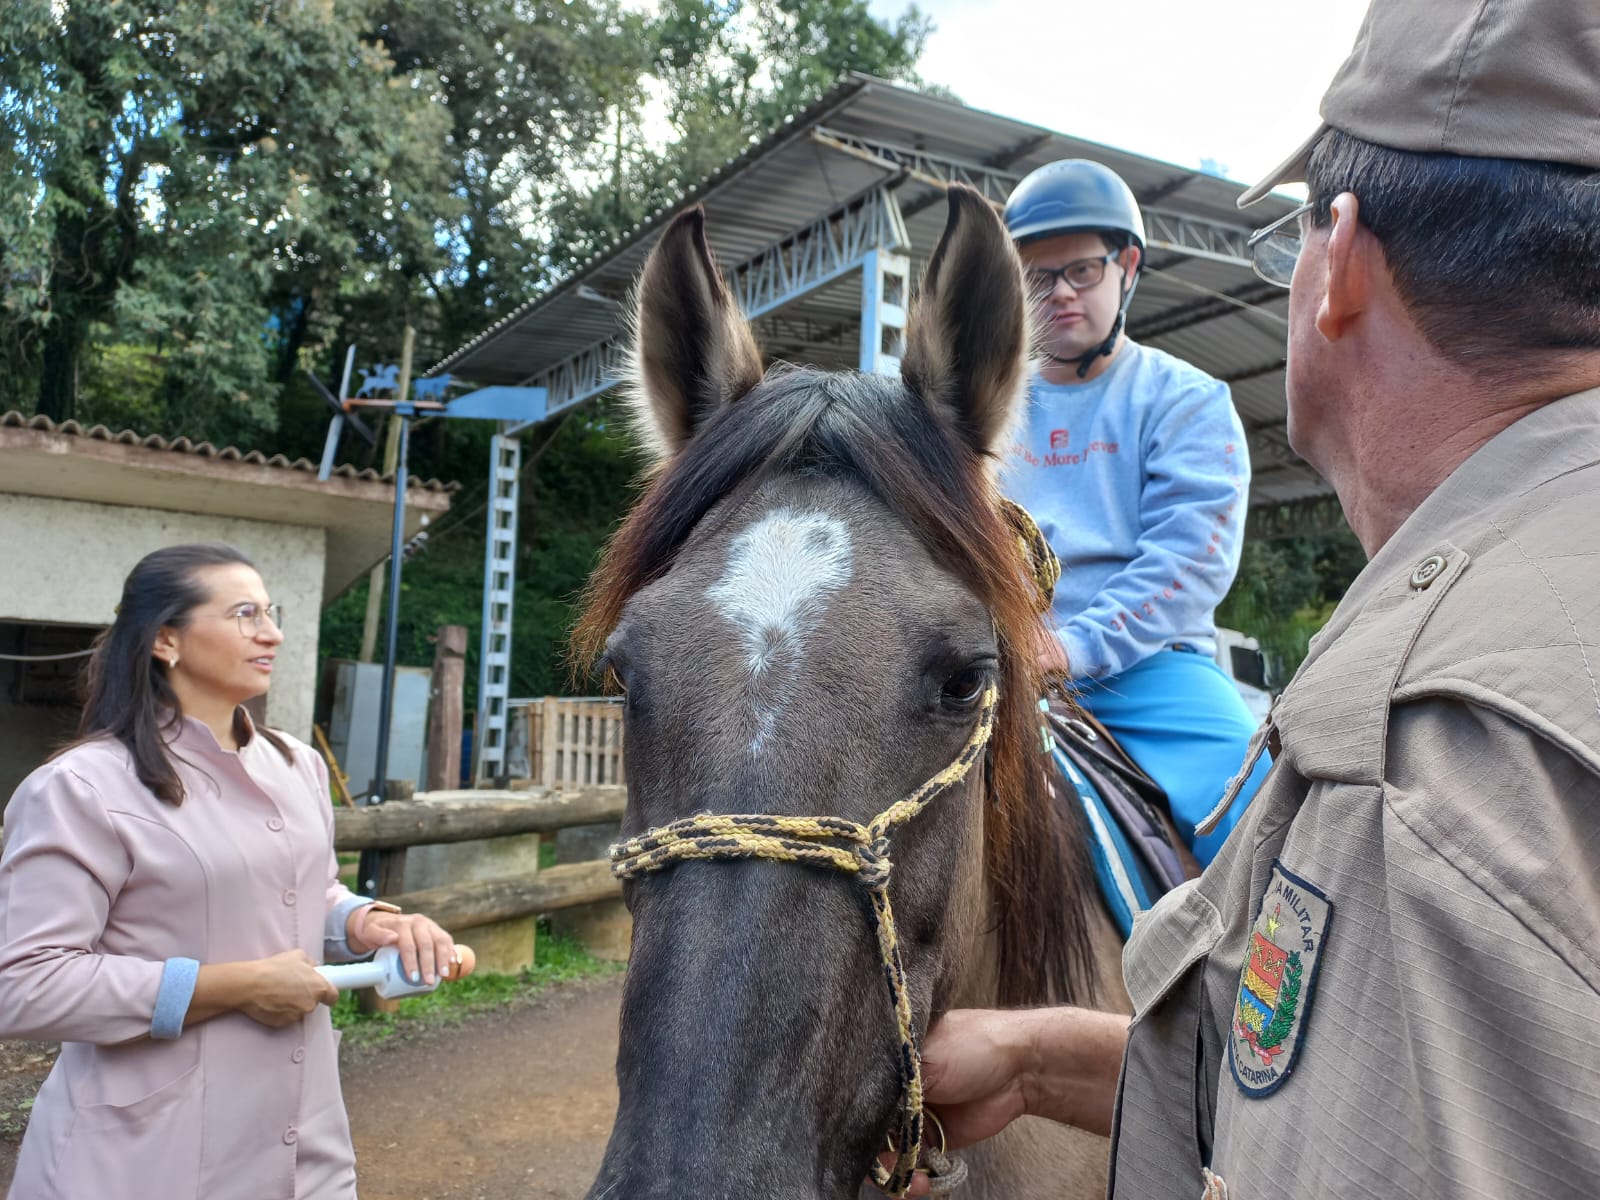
1106, 348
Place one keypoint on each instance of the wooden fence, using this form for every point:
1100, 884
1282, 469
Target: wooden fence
575, 741
574, 766
434, 817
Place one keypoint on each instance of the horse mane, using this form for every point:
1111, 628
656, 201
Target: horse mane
881, 434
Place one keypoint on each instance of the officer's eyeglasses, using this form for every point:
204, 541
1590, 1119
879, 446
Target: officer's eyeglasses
1080, 274
1275, 249
251, 617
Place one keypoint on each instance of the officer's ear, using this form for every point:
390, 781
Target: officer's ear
1352, 265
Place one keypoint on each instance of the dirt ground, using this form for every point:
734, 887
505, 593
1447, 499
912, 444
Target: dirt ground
513, 1102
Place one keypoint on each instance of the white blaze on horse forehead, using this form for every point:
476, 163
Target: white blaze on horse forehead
780, 573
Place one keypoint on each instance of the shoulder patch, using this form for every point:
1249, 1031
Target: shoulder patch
1277, 981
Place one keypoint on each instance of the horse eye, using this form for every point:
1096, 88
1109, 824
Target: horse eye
964, 687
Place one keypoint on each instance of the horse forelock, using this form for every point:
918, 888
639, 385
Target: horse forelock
877, 432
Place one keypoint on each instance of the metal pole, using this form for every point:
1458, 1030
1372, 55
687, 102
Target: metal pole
379, 789
391, 457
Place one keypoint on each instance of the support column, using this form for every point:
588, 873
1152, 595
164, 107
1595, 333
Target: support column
885, 296
499, 580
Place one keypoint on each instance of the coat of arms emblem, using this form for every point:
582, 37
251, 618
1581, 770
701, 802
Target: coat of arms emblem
1275, 983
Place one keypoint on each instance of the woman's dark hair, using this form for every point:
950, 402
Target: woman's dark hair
126, 693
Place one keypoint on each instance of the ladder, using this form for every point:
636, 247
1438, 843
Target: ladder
499, 577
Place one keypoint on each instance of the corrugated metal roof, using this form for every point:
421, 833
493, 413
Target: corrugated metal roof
789, 179
184, 445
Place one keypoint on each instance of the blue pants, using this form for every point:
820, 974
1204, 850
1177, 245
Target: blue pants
1184, 722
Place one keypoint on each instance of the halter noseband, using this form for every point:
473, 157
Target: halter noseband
839, 845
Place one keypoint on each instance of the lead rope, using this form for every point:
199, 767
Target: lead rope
865, 854
946, 1172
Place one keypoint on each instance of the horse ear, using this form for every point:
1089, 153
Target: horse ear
967, 340
693, 349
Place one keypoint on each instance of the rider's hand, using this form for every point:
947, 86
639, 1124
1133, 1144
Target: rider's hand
1052, 655
284, 988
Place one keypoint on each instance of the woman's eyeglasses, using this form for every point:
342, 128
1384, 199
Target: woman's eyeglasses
251, 616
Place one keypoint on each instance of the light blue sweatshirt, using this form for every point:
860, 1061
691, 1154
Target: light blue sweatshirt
1139, 479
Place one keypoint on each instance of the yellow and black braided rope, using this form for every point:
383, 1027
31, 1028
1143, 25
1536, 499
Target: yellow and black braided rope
1044, 568
840, 845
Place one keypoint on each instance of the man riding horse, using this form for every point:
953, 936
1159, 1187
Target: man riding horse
1135, 466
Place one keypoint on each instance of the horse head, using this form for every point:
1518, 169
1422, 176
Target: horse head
809, 610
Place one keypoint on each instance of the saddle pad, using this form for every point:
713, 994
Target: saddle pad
1135, 862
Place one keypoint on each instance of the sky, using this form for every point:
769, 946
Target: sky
1228, 85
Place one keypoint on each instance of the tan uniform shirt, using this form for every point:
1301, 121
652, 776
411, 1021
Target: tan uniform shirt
100, 884
1388, 982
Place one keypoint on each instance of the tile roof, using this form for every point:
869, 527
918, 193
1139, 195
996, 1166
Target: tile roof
184, 445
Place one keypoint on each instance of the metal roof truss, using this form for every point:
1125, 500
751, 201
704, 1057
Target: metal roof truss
844, 240
1180, 233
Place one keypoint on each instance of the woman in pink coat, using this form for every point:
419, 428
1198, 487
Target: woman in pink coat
167, 886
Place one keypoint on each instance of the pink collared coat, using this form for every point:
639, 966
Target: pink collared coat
100, 883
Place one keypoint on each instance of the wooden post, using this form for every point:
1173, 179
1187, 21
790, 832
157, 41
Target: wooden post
552, 775
536, 718
444, 708
443, 818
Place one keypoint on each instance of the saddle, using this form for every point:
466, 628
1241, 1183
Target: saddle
1137, 857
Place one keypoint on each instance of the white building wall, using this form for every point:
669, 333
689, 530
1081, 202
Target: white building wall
63, 562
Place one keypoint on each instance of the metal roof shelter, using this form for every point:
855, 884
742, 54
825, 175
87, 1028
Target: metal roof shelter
821, 225
824, 226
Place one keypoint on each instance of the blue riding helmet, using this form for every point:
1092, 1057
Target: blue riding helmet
1076, 195
1073, 195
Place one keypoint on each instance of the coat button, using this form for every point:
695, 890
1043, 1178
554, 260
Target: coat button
299, 1054
1427, 571
290, 1137
275, 824
289, 897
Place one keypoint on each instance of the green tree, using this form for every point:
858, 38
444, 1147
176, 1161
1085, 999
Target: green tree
166, 162
1286, 590
523, 83
720, 76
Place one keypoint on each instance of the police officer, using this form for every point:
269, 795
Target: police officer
1388, 981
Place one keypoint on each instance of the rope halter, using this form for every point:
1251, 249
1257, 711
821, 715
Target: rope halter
839, 845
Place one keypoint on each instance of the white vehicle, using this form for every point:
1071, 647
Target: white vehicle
1241, 660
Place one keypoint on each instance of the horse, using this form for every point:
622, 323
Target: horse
818, 606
